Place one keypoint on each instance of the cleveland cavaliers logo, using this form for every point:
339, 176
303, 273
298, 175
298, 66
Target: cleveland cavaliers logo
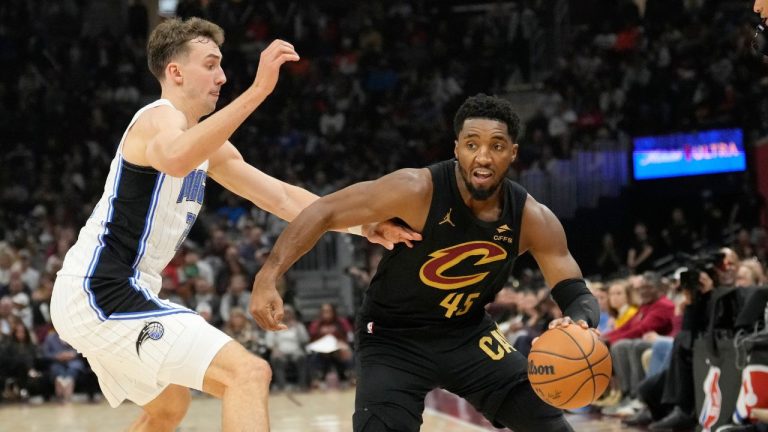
152, 330
432, 273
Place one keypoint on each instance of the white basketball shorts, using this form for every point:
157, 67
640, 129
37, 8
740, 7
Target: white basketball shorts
135, 355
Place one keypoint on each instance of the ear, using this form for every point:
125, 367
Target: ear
173, 73
455, 149
515, 147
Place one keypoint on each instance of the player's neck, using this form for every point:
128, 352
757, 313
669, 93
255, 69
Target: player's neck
182, 104
488, 209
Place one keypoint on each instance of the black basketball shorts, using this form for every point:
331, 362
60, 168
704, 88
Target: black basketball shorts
397, 368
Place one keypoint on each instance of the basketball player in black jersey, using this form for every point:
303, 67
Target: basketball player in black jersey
423, 322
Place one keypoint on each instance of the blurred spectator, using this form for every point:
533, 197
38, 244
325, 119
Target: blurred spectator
678, 235
17, 355
608, 261
626, 343
205, 295
19, 294
330, 323
621, 302
641, 254
5, 266
65, 365
193, 266
235, 297
29, 275
600, 291
7, 318
41, 312
287, 351
240, 328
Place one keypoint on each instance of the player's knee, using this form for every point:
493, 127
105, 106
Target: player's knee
254, 370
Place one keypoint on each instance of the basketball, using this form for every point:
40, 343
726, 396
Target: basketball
569, 367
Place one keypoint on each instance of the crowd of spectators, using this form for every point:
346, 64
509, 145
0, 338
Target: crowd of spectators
375, 90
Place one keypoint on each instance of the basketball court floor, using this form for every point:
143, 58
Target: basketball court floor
321, 411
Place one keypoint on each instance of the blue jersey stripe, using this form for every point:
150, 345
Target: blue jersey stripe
100, 247
137, 315
148, 223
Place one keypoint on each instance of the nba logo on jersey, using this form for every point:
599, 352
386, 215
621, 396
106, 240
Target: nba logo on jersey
369, 326
710, 410
753, 394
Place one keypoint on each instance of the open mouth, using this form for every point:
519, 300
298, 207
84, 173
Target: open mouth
482, 175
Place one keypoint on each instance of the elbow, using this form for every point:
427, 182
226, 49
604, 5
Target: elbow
176, 168
170, 164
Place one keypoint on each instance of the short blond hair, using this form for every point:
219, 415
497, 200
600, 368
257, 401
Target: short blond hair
168, 41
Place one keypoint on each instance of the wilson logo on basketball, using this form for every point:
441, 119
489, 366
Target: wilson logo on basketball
540, 370
433, 272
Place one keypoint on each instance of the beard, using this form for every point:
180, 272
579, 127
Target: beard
476, 193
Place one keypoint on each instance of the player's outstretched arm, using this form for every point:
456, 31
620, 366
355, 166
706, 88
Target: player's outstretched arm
404, 194
177, 151
543, 235
283, 200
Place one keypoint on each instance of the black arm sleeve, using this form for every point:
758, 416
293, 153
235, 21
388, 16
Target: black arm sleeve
576, 301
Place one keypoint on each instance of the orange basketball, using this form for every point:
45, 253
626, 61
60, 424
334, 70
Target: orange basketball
569, 367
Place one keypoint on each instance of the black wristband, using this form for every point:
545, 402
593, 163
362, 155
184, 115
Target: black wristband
576, 301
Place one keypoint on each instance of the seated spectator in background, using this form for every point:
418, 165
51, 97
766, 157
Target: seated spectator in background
287, 351
241, 329
65, 365
5, 267
205, 311
621, 307
621, 302
205, 294
600, 291
536, 315
626, 343
746, 276
232, 265
17, 357
193, 266
29, 275
505, 308
19, 294
235, 297
667, 392
6, 316
330, 323
41, 307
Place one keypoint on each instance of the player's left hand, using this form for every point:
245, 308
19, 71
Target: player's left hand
565, 322
266, 305
388, 233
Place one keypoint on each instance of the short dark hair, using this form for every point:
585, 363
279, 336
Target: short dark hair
488, 107
169, 40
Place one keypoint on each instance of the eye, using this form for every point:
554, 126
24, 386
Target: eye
471, 145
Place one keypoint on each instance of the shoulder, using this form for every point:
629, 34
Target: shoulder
410, 180
162, 117
540, 229
536, 214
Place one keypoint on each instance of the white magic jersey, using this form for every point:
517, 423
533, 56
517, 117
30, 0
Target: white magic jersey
135, 229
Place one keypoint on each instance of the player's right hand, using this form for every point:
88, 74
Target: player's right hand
266, 305
277, 53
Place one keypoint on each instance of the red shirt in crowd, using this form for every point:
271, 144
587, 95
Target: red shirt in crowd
657, 316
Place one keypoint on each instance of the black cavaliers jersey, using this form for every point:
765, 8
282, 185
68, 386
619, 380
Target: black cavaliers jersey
458, 267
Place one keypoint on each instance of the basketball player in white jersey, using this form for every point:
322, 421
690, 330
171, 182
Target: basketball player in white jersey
105, 302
